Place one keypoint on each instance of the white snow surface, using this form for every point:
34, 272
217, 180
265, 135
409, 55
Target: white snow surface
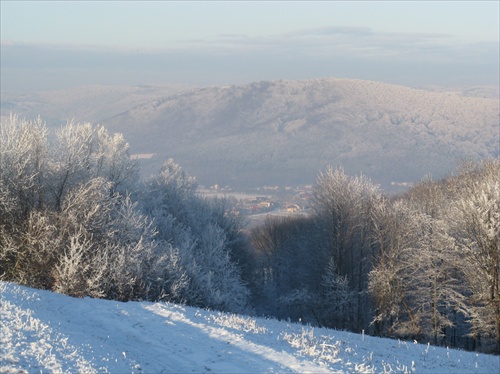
45, 332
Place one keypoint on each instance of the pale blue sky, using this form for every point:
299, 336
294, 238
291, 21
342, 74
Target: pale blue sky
114, 42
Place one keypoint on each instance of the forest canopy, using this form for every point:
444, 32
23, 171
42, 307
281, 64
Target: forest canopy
75, 218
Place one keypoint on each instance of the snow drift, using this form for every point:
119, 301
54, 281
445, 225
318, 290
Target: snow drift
41, 331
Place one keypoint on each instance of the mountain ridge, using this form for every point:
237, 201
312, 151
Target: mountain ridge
285, 132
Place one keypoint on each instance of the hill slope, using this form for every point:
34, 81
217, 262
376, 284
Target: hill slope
284, 132
43, 331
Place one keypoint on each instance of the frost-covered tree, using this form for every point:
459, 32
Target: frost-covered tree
342, 206
437, 273
436, 293
198, 238
395, 235
475, 216
338, 297
84, 151
307, 266
23, 158
214, 274
113, 162
71, 160
439, 291
106, 244
66, 221
23, 163
413, 281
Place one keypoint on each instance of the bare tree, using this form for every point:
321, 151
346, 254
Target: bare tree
85, 151
23, 158
342, 206
392, 276
476, 218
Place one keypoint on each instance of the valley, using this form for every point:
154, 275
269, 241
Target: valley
285, 132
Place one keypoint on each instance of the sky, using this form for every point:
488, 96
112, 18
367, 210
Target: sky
54, 44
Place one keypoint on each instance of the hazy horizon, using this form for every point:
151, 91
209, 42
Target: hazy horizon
54, 45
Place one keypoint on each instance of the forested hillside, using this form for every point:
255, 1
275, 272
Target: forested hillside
424, 265
283, 132
76, 219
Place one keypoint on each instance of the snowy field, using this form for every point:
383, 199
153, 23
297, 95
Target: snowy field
41, 331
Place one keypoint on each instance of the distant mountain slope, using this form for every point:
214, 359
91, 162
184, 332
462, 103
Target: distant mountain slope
284, 132
82, 103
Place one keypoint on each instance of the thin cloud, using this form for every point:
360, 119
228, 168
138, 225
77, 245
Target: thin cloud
351, 52
333, 30
360, 42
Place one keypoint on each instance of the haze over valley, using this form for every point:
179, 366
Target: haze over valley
285, 132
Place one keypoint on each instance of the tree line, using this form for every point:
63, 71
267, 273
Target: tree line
423, 265
75, 218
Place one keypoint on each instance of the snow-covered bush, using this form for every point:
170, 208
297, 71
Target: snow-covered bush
198, 237
70, 221
23, 165
103, 244
83, 152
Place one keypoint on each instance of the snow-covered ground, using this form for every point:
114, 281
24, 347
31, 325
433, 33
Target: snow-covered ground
41, 331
